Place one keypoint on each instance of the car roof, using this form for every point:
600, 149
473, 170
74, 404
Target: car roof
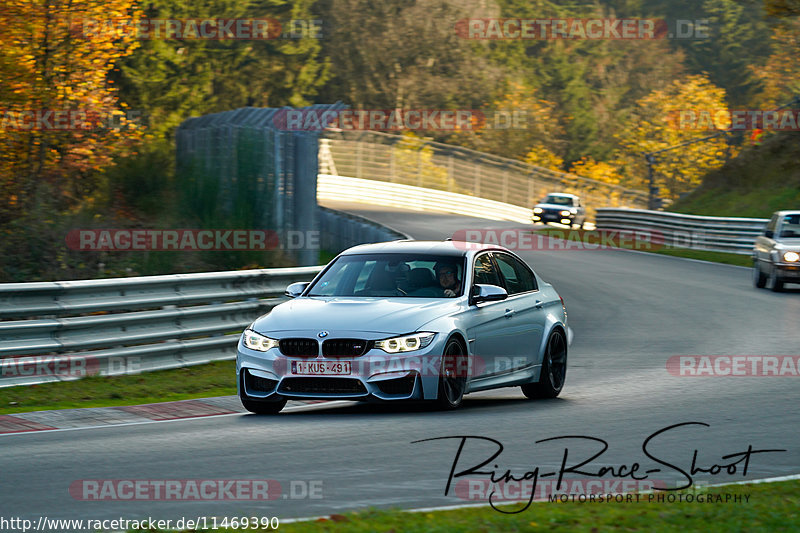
448, 248
788, 212
562, 194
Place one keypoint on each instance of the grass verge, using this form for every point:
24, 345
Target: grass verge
769, 507
594, 236
201, 381
761, 180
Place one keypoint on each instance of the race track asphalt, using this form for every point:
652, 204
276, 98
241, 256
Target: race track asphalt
630, 313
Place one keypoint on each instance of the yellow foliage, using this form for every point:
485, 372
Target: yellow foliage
542, 157
50, 65
514, 123
656, 125
414, 165
781, 73
596, 170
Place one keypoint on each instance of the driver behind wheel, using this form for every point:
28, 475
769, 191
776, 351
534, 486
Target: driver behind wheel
447, 274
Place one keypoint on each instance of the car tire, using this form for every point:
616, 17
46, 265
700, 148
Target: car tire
263, 408
260, 407
759, 279
452, 377
775, 283
554, 369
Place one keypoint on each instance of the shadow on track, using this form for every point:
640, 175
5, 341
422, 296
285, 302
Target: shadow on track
417, 409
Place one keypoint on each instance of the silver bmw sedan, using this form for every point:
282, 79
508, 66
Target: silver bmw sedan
408, 320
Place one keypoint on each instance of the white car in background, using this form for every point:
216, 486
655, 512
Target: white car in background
561, 208
776, 252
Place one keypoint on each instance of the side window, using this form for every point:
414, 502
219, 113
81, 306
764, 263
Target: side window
518, 277
485, 272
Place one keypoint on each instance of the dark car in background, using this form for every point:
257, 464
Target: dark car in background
776, 253
561, 208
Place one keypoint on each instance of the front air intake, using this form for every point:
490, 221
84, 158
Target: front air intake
322, 386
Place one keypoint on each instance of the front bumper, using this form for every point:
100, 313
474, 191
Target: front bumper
553, 216
788, 271
374, 375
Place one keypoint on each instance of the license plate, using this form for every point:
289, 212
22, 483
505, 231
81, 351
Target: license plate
321, 368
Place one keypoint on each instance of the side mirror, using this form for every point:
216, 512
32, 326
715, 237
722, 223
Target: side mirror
769, 233
488, 293
296, 289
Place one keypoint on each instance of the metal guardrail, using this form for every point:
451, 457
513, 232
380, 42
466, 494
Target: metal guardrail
724, 234
343, 188
420, 163
54, 331
344, 230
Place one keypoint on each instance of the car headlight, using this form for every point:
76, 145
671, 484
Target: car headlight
565, 213
538, 210
791, 257
406, 343
256, 341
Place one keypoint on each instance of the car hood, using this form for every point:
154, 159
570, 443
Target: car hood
789, 243
376, 315
555, 206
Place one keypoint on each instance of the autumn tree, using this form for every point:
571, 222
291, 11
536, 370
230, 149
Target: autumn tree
591, 84
541, 156
596, 170
686, 110
175, 78
722, 39
414, 165
62, 121
782, 8
397, 54
781, 72
513, 124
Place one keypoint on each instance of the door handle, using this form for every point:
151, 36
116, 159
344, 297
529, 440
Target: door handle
509, 313
538, 304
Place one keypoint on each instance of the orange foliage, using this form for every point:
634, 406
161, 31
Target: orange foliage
60, 118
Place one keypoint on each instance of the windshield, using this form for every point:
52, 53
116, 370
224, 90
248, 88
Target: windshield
790, 228
558, 200
395, 275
